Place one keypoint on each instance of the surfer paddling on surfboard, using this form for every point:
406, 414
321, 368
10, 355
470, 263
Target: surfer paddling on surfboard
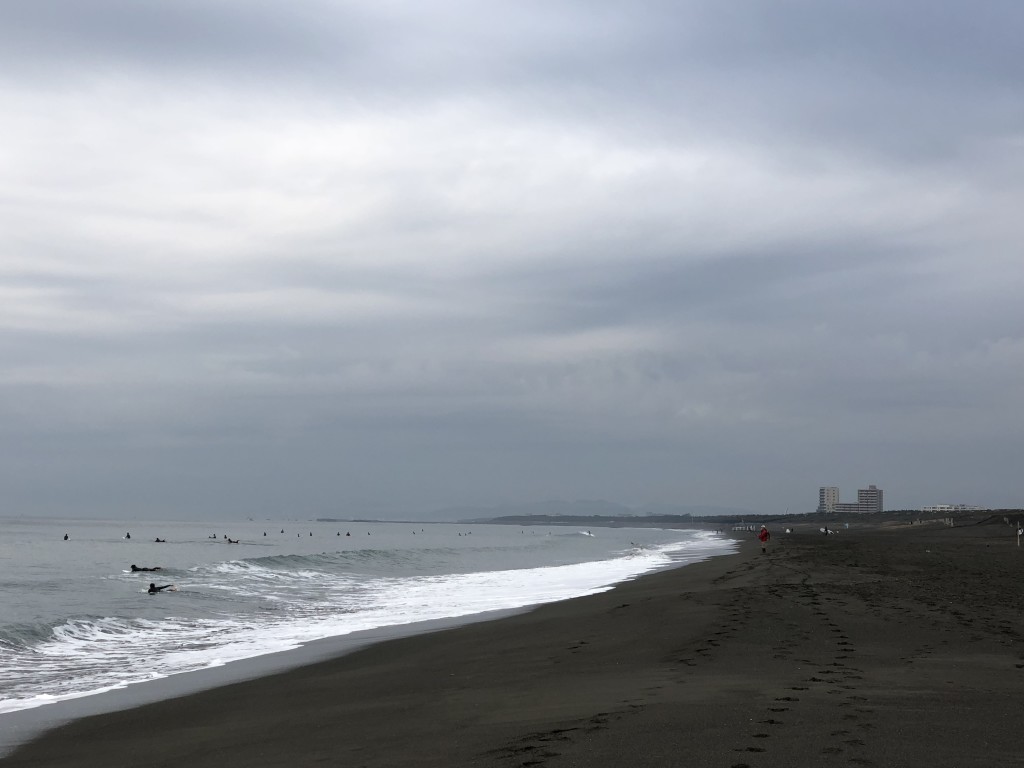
153, 588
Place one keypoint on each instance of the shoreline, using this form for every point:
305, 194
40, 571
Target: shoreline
22, 726
894, 647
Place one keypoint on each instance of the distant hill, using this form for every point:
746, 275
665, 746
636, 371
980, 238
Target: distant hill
578, 509
696, 510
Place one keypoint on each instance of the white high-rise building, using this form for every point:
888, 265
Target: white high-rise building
828, 497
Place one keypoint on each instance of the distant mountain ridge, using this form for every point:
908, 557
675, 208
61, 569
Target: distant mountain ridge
579, 508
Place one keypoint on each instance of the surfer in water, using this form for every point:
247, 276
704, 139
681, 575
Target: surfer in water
153, 588
136, 569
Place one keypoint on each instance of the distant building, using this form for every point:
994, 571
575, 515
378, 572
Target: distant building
828, 497
952, 508
868, 500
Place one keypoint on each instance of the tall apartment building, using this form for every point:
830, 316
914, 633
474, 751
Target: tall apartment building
868, 500
828, 497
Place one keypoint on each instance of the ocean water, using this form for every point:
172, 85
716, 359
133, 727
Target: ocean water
75, 621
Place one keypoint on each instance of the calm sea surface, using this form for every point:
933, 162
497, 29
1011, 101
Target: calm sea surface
76, 621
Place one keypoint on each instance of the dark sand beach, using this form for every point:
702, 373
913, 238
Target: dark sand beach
889, 647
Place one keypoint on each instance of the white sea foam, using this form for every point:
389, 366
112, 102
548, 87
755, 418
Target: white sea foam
227, 611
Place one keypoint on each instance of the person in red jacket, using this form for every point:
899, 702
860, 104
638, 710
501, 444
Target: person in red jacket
763, 537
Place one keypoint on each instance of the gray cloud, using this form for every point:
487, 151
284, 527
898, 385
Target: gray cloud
328, 257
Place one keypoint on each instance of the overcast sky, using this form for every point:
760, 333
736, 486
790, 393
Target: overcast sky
315, 258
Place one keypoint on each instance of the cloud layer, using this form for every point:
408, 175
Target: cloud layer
308, 258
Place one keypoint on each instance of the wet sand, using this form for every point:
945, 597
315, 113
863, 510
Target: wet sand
891, 647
